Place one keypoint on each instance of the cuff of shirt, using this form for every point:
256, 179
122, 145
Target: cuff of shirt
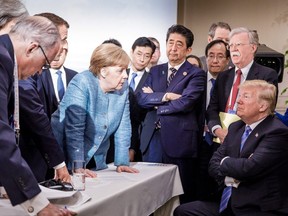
35, 205
60, 165
229, 181
214, 128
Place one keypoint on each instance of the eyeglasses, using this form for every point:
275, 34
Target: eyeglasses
236, 45
218, 57
47, 64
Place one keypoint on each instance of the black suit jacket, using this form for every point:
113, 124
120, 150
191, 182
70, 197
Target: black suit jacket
16, 176
261, 167
137, 114
37, 142
46, 89
223, 87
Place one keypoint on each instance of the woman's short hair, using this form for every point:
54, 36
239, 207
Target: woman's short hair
106, 55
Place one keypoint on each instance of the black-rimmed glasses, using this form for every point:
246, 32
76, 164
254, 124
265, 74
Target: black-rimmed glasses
47, 64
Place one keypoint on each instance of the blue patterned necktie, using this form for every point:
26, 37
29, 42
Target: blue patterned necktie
228, 190
60, 85
132, 82
174, 71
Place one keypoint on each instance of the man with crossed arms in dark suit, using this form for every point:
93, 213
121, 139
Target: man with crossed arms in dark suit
243, 45
251, 164
177, 110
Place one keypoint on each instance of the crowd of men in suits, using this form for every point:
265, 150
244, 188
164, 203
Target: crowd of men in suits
174, 113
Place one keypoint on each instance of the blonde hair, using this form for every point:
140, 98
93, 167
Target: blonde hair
265, 92
107, 55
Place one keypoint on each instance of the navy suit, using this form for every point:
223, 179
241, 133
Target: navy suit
37, 142
181, 120
223, 87
16, 176
261, 167
46, 89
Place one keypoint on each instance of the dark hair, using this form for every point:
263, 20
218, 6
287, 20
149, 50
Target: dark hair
197, 59
57, 20
212, 43
144, 42
180, 29
113, 41
214, 26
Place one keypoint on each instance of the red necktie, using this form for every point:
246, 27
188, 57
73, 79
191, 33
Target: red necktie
234, 92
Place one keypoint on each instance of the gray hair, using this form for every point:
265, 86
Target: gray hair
252, 34
214, 26
37, 29
10, 10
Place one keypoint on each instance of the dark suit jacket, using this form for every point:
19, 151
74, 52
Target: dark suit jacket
46, 89
223, 87
182, 119
16, 176
261, 167
137, 114
37, 142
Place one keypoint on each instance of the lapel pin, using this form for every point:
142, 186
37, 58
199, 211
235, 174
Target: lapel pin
256, 135
184, 73
163, 72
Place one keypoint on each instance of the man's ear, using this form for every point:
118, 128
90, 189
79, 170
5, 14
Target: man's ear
32, 47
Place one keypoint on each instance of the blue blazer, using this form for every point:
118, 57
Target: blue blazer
261, 167
46, 89
181, 120
16, 176
87, 117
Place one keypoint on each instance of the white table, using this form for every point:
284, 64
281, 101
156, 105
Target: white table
154, 189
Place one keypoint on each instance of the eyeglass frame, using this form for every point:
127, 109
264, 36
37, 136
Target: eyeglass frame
47, 65
236, 45
218, 58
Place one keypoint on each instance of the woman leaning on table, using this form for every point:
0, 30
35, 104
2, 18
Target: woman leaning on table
94, 107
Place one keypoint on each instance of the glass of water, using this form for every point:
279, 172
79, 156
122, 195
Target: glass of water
78, 175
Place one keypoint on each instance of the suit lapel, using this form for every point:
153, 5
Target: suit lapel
141, 82
48, 86
253, 139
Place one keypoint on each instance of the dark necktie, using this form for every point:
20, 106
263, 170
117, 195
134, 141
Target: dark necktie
132, 82
228, 190
213, 84
60, 85
234, 92
174, 71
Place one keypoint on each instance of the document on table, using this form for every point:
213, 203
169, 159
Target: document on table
70, 199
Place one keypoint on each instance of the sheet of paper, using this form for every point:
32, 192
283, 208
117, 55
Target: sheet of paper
226, 119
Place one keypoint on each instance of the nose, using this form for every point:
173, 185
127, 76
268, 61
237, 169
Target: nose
125, 75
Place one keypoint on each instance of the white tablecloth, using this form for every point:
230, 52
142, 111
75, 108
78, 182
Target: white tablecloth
154, 189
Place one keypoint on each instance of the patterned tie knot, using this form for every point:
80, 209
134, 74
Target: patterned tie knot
59, 72
174, 71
